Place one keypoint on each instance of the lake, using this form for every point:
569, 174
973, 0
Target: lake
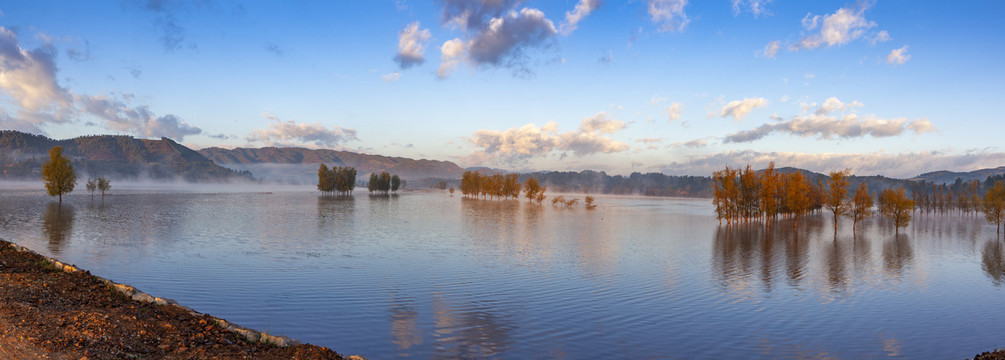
429, 275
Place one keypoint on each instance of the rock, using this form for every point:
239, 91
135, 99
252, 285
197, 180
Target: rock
141, 297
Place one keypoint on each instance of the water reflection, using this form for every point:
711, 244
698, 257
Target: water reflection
57, 223
404, 326
897, 254
335, 211
742, 252
993, 261
468, 329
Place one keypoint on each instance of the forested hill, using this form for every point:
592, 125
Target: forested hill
115, 157
299, 165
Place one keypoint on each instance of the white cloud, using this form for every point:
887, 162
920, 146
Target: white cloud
832, 104
392, 77
881, 36
668, 14
29, 77
582, 10
898, 56
412, 46
656, 100
901, 165
517, 145
138, 120
756, 7
601, 123
738, 109
771, 49
674, 111
828, 127
452, 53
292, 133
836, 29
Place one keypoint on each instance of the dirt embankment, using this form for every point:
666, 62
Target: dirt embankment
48, 313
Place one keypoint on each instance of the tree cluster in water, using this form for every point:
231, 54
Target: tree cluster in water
339, 180
748, 195
383, 183
474, 184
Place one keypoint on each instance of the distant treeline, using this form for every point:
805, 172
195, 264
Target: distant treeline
649, 184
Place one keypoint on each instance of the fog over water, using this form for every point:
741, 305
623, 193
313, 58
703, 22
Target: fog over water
429, 275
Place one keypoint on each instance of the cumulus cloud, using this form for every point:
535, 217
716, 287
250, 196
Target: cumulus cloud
412, 46
582, 10
898, 56
452, 54
832, 104
881, 36
756, 7
292, 133
738, 109
29, 77
668, 14
900, 165
674, 111
516, 145
138, 120
496, 34
505, 37
827, 127
771, 49
839, 28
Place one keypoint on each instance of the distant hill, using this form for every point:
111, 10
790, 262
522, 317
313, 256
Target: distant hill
949, 177
300, 165
115, 157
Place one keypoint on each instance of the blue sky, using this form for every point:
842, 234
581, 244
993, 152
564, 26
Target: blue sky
674, 86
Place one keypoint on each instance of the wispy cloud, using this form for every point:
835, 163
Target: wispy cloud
839, 28
392, 77
739, 109
898, 56
582, 10
898, 165
669, 15
756, 7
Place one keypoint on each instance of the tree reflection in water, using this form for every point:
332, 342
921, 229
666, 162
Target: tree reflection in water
993, 261
57, 223
897, 254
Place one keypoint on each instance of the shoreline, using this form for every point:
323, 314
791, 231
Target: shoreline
49, 309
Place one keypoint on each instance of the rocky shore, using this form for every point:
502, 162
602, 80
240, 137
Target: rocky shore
51, 310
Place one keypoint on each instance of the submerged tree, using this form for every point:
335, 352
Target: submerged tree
835, 197
797, 196
861, 205
339, 180
395, 183
58, 174
994, 205
894, 204
588, 202
92, 185
531, 188
103, 186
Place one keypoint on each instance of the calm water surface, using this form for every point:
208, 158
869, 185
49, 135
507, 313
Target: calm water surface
427, 275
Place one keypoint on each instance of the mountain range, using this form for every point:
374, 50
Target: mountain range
125, 157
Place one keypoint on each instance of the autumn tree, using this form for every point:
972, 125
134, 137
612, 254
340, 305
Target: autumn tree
589, 202
894, 204
769, 190
861, 205
749, 193
325, 181
993, 205
835, 197
797, 196
58, 174
531, 188
451, 191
